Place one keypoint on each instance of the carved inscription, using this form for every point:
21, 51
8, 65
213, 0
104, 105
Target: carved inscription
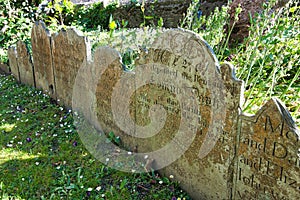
268, 161
69, 50
179, 55
42, 58
164, 63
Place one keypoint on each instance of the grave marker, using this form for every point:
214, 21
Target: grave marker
24, 64
268, 163
42, 58
69, 50
13, 64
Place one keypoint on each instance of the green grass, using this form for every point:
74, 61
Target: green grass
267, 60
42, 157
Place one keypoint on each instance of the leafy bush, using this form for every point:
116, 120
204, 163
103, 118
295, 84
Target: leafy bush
94, 16
58, 12
16, 20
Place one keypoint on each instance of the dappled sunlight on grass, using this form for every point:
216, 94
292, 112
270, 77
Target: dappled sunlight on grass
42, 156
7, 127
7, 154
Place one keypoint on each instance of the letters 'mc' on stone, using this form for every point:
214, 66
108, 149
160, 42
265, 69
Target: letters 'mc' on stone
69, 50
42, 58
268, 159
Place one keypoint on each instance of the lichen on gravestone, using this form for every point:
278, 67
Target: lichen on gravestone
69, 49
25, 66
13, 64
268, 155
42, 58
178, 105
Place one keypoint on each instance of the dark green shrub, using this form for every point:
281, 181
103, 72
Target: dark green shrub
16, 19
94, 16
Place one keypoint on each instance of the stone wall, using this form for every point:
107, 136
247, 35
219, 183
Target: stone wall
171, 11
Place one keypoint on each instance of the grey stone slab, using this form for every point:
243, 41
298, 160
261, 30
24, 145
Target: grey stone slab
42, 58
268, 155
205, 168
69, 50
24, 64
13, 64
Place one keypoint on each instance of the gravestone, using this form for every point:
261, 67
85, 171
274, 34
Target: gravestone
13, 64
42, 58
177, 106
69, 50
24, 64
268, 155
207, 163
4, 68
181, 110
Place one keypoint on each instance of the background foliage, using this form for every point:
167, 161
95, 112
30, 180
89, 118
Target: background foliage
267, 61
37, 137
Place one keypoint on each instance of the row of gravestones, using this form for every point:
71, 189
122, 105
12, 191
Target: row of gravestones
54, 62
214, 150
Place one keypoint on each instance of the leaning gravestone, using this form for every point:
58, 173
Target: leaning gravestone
25, 66
207, 161
69, 50
180, 110
4, 68
268, 155
13, 64
42, 58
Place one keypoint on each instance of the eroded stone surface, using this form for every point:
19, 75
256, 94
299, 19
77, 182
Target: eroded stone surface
42, 58
268, 162
24, 64
4, 68
207, 162
69, 50
177, 103
13, 63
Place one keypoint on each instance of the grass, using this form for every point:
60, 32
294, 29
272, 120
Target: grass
267, 60
42, 156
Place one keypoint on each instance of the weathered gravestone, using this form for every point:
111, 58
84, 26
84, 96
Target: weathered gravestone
69, 50
42, 58
26, 70
20, 63
13, 64
178, 107
180, 110
268, 155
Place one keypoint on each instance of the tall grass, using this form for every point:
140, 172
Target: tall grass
267, 60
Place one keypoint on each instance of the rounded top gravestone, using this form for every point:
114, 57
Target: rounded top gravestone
171, 108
